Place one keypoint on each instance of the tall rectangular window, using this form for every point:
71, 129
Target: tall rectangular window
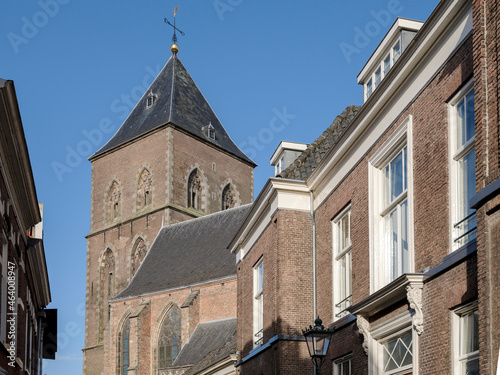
258, 303
463, 168
342, 262
466, 341
395, 214
391, 212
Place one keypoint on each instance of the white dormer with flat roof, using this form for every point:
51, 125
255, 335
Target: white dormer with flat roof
387, 54
285, 154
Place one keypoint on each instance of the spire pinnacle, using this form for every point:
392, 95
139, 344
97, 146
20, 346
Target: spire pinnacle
174, 47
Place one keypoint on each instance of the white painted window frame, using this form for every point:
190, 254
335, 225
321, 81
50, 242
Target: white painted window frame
279, 165
391, 329
339, 363
379, 261
456, 317
338, 255
455, 155
372, 83
393, 58
258, 302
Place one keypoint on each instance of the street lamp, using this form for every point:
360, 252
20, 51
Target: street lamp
318, 340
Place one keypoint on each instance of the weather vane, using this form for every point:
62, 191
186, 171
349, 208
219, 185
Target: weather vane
174, 38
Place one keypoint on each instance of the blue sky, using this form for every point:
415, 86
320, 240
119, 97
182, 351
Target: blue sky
78, 68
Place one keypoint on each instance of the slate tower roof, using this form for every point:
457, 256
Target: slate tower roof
178, 102
189, 253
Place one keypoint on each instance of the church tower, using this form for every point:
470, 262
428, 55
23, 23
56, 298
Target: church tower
170, 161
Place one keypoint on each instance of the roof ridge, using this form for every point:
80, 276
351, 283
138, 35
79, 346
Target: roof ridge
211, 215
217, 321
172, 89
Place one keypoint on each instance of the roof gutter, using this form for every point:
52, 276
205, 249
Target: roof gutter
313, 223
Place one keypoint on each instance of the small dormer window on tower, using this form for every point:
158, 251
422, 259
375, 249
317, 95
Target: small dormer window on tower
209, 130
151, 99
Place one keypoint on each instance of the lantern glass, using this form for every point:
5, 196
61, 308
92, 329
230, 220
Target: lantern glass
320, 345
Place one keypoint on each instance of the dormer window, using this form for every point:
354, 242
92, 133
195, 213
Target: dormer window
151, 99
387, 54
285, 154
210, 131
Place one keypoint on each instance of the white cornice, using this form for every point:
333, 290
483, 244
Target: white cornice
277, 194
293, 146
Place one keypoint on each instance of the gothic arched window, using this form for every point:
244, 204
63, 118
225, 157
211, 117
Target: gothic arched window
169, 342
194, 190
138, 253
124, 348
114, 198
107, 289
144, 193
228, 199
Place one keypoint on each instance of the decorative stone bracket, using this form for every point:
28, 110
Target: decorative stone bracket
364, 329
414, 295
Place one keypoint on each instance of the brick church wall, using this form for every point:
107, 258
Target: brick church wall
215, 301
227, 169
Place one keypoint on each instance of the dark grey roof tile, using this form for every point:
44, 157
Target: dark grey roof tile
179, 103
210, 343
189, 253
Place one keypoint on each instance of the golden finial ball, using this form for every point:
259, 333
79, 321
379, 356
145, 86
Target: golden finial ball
174, 48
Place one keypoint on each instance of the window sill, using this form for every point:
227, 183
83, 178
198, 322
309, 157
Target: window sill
452, 259
342, 322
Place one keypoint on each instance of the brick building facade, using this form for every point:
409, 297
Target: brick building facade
399, 201
170, 161
28, 331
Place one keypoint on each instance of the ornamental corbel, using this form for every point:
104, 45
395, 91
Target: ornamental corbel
414, 295
364, 329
